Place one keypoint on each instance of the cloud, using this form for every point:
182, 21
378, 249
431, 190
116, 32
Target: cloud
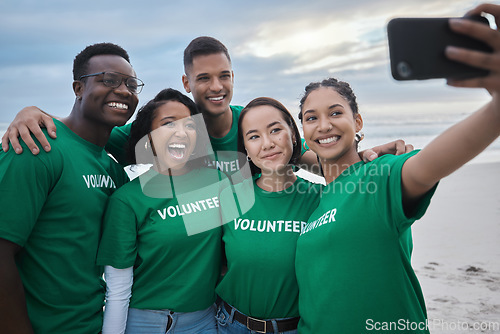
277, 46
325, 36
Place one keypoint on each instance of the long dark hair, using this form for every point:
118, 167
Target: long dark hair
141, 126
267, 101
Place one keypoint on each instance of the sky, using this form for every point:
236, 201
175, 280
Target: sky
277, 48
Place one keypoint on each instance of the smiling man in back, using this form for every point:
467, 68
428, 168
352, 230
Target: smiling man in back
209, 77
52, 205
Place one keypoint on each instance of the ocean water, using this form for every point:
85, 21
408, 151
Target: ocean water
417, 129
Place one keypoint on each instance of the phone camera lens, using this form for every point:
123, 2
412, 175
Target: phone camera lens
404, 69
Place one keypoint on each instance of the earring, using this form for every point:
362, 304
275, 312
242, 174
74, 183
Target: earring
294, 143
360, 136
78, 97
248, 158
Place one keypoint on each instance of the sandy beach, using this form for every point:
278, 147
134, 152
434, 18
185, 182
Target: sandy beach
457, 252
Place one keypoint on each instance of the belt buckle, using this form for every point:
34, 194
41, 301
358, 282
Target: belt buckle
257, 320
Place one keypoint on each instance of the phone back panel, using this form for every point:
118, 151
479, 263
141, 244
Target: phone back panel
417, 45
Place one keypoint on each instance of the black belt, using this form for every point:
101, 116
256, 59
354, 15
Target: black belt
262, 326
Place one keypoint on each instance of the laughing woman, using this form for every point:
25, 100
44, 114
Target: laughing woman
353, 274
259, 290
161, 271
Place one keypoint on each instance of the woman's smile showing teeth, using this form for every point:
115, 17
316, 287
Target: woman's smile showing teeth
328, 140
177, 151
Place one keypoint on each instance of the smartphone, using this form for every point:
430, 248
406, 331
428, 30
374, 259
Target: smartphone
416, 49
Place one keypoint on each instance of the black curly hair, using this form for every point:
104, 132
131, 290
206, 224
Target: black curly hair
341, 87
81, 61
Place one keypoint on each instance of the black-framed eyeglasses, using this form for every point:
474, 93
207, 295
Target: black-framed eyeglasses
115, 79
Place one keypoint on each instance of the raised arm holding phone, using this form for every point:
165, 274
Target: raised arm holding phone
353, 274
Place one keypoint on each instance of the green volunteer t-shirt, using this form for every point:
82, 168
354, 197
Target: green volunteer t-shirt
52, 205
226, 148
353, 268
260, 250
117, 143
168, 229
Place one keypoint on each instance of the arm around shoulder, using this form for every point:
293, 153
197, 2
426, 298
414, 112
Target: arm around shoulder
29, 121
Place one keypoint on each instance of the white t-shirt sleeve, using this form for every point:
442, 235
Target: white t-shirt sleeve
118, 293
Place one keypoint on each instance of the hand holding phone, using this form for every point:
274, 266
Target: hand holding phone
416, 48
